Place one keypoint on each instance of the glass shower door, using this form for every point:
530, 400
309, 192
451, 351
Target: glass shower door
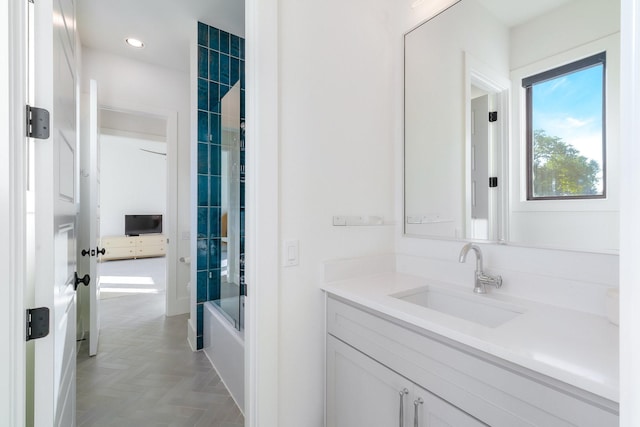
231, 262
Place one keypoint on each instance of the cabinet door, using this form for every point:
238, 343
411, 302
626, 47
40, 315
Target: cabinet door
431, 411
362, 392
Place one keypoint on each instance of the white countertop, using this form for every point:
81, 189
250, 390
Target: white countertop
577, 348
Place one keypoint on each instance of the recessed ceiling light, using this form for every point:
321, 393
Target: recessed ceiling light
134, 42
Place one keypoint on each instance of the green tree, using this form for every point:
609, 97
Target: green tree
560, 170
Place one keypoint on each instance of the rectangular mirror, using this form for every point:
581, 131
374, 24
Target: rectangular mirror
512, 124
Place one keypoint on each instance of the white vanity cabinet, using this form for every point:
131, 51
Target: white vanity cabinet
363, 392
372, 357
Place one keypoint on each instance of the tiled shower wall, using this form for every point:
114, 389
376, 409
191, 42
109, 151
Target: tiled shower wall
220, 67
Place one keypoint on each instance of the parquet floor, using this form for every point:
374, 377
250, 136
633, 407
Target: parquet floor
145, 374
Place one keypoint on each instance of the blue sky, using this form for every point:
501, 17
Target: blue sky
570, 107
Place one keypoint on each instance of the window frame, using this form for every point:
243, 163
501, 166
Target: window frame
566, 69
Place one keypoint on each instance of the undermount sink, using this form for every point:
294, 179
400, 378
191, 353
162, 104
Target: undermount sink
474, 308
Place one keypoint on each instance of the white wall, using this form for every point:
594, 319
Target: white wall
137, 86
336, 149
630, 210
563, 28
132, 181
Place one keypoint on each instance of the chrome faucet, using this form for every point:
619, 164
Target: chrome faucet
482, 279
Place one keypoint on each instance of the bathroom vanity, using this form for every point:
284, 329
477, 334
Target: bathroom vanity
406, 351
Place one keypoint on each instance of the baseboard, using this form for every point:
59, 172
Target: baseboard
178, 307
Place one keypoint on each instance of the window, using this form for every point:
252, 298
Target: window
566, 131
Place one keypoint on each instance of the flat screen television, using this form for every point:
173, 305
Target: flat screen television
135, 225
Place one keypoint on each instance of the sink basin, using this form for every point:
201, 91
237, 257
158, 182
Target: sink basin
474, 308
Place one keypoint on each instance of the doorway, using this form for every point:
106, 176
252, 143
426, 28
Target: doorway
133, 203
486, 165
133, 215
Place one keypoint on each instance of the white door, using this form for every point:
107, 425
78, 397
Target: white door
90, 211
55, 191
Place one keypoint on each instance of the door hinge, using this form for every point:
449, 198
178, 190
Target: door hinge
37, 323
493, 181
493, 116
37, 122
32, 1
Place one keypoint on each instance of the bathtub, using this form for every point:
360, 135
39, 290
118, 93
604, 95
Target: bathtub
224, 346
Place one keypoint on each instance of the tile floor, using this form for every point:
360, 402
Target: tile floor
136, 276
145, 374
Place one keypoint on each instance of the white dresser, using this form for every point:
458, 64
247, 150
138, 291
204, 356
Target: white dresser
126, 247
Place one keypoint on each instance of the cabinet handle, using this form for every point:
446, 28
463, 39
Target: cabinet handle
416, 404
402, 393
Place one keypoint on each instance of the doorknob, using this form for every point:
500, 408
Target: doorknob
93, 252
76, 280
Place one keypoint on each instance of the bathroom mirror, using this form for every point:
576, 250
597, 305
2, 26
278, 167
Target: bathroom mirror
468, 168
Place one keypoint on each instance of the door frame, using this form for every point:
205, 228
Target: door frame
482, 76
262, 405
175, 305
13, 48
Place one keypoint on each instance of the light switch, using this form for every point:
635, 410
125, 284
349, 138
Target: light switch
290, 253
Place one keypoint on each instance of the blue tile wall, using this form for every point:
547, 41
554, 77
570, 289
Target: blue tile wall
224, 42
214, 222
200, 315
202, 286
214, 66
214, 38
214, 284
203, 230
203, 34
220, 66
214, 97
